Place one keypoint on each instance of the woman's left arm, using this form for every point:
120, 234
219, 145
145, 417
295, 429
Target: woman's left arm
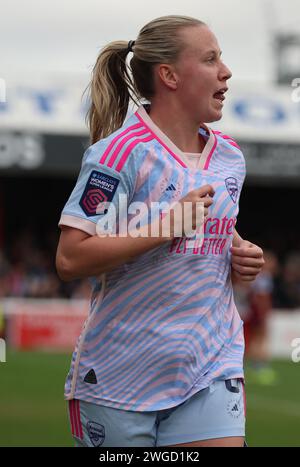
247, 259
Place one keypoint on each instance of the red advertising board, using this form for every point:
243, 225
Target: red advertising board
45, 324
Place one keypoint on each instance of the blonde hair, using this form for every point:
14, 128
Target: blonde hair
114, 83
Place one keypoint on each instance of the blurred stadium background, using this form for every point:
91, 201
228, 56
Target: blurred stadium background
42, 140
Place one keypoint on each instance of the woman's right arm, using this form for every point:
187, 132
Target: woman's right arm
81, 255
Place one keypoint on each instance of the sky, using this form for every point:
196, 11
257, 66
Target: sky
65, 36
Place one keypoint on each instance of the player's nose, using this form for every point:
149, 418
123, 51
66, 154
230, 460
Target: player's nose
225, 72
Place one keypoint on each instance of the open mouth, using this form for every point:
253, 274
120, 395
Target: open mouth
219, 95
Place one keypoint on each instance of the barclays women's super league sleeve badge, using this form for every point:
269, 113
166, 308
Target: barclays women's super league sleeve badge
98, 193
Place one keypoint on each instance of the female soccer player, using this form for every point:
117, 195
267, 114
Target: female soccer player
160, 358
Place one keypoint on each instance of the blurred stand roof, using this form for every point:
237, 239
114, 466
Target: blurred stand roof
253, 112
49, 48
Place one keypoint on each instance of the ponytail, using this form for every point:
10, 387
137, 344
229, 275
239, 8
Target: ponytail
110, 91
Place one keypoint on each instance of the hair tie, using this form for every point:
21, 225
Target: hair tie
130, 45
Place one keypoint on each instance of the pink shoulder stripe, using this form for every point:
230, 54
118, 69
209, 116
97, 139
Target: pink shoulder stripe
230, 140
161, 142
124, 140
233, 143
129, 149
113, 142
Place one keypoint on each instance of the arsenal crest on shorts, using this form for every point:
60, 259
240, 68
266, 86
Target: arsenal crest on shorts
232, 188
96, 433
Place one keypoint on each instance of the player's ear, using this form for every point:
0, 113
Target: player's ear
167, 75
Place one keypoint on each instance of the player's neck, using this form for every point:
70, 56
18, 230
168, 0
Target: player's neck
177, 126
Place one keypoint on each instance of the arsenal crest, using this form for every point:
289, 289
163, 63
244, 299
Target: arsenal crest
96, 433
232, 188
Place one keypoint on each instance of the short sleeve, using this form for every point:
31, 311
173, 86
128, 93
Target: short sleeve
98, 187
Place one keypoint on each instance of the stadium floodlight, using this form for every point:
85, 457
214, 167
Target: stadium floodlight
287, 57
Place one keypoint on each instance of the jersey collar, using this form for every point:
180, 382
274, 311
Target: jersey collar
206, 155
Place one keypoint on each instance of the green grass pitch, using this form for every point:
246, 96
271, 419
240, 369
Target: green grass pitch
33, 411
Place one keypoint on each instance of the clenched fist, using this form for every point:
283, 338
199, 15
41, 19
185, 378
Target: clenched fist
247, 261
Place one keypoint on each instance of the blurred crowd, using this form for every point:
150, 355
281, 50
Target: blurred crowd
27, 269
